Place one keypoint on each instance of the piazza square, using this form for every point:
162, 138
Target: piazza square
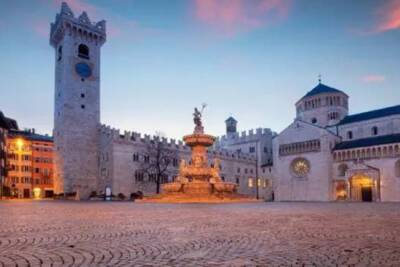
199, 133
59, 233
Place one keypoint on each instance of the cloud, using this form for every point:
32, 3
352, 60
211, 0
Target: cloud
41, 28
389, 15
373, 78
385, 18
233, 16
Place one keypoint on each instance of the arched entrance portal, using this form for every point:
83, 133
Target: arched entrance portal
363, 188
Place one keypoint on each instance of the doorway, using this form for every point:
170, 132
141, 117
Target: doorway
27, 193
366, 193
363, 188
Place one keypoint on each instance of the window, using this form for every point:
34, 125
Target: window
374, 130
333, 116
314, 120
265, 149
82, 106
349, 135
146, 159
135, 157
238, 170
82, 95
252, 149
300, 167
342, 170
237, 180
397, 168
250, 182
59, 53
83, 51
139, 176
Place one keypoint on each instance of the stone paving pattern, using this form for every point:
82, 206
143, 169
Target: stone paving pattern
56, 233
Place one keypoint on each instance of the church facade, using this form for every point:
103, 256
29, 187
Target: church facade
328, 155
325, 154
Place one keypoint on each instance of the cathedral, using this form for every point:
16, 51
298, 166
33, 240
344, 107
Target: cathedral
324, 155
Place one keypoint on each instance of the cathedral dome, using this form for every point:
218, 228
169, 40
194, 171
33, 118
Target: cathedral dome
322, 89
323, 106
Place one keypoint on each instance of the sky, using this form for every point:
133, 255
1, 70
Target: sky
250, 59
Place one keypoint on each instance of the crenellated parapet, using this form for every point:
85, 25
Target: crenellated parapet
135, 138
80, 26
246, 136
128, 137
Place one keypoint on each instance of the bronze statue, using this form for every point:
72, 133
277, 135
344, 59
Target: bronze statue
197, 118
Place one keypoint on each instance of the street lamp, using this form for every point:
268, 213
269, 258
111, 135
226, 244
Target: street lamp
257, 178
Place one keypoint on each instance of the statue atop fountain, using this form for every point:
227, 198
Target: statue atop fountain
197, 115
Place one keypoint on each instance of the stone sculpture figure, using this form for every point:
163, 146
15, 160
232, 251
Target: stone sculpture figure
197, 119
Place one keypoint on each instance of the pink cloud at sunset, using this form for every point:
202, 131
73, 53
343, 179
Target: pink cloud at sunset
41, 28
389, 15
373, 78
233, 16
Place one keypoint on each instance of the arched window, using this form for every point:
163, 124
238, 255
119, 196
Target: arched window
374, 130
59, 53
342, 170
83, 51
397, 168
349, 135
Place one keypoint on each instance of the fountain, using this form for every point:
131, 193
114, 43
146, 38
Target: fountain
199, 181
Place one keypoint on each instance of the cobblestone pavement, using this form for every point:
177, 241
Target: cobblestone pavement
55, 233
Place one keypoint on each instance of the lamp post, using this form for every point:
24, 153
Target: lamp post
257, 178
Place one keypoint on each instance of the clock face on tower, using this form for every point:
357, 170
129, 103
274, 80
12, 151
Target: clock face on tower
83, 70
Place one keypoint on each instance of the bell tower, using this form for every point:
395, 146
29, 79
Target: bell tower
77, 42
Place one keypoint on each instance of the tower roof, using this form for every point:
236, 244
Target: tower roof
230, 119
322, 89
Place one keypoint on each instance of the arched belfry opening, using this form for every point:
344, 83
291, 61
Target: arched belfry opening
83, 51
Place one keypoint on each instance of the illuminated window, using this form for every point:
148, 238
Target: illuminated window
259, 182
300, 167
250, 182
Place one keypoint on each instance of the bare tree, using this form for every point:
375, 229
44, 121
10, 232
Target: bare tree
158, 157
